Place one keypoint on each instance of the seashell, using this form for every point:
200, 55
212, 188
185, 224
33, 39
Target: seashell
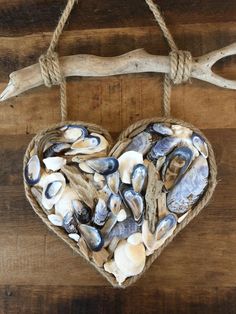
81, 211
73, 132
32, 170
64, 204
129, 260
160, 162
113, 181
124, 229
181, 131
176, 164
54, 163
110, 223
122, 215
162, 129
103, 166
92, 237
163, 147
91, 144
74, 236
53, 187
101, 213
164, 230
135, 238
84, 167
139, 178
56, 149
141, 143
187, 192
98, 178
135, 202
56, 220
127, 161
69, 223
181, 218
200, 144
114, 203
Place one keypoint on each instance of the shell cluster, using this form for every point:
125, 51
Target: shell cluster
119, 206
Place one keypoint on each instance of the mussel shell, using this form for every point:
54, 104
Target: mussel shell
101, 213
165, 225
141, 143
103, 166
73, 132
135, 203
124, 229
139, 177
163, 147
32, 170
56, 149
52, 189
92, 237
85, 143
189, 189
113, 181
200, 144
162, 129
114, 203
69, 223
176, 164
81, 212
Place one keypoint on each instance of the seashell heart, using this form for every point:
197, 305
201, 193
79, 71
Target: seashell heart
119, 206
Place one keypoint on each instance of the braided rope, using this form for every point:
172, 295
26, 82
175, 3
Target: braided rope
49, 62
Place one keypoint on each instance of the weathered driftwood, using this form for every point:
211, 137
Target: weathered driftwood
84, 189
154, 187
137, 61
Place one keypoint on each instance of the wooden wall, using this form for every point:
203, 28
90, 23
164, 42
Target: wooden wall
38, 273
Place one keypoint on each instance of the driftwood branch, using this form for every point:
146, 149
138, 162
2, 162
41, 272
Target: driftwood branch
137, 61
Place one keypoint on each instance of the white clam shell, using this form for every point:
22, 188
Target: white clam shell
127, 161
54, 163
48, 203
64, 204
122, 215
56, 220
74, 236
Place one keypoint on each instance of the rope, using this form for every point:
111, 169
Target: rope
180, 61
49, 62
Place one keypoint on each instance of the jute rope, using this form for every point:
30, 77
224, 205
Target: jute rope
49, 62
180, 61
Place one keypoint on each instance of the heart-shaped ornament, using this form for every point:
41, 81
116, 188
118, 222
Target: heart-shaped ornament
119, 206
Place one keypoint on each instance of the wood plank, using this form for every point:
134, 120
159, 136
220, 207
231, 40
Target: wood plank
86, 300
43, 15
31, 255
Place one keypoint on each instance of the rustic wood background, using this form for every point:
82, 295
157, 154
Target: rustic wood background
38, 273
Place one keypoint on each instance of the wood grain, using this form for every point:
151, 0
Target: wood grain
38, 273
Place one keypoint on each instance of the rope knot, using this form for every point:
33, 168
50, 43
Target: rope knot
50, 69
180, 66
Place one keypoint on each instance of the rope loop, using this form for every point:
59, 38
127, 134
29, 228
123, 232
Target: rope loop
50, 69
180, 66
